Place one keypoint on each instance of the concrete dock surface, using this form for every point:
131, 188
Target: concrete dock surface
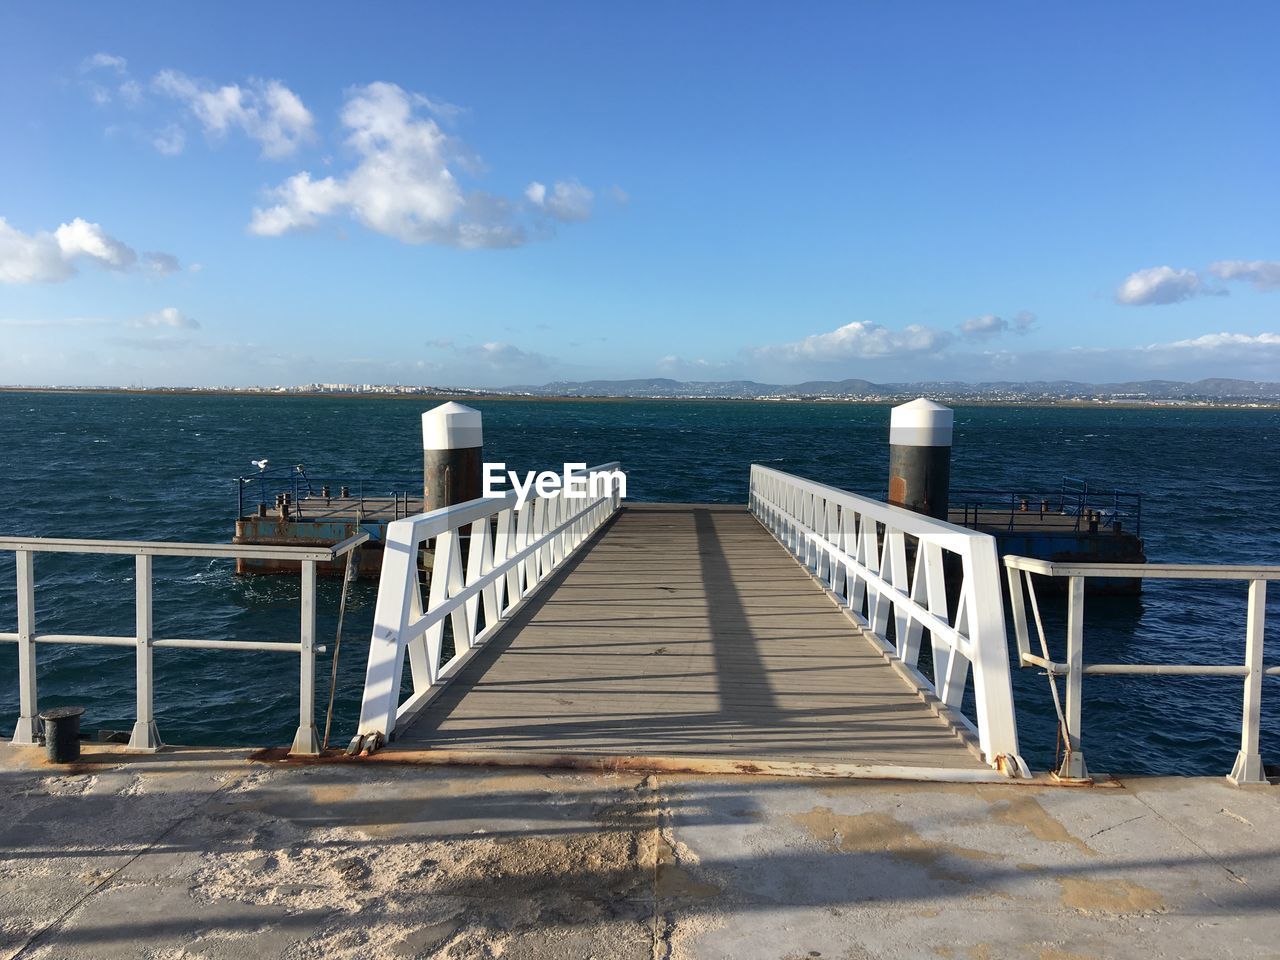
209, 854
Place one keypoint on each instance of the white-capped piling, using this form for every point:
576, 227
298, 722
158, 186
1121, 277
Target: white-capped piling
920, 456
452, 455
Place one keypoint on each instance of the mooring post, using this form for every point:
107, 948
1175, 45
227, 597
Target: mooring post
920, 457
452, 455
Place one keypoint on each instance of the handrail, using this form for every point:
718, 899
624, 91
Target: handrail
1022, 593
161, 548
1011, 506
510, 552
1160, 571
303, 492
145, 738
858, 549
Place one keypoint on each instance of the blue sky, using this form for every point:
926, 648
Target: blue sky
491, 194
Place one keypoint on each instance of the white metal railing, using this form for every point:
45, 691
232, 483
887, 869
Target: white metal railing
858, 549
145, 738
1022, 593
510, 552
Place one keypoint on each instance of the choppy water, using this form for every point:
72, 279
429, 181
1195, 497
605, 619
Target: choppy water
158, 467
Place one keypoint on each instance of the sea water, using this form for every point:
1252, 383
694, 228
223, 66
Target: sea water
162, 467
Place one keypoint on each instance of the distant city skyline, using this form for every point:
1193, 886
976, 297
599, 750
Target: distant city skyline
238, 195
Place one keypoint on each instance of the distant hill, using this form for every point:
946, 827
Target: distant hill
1212, 389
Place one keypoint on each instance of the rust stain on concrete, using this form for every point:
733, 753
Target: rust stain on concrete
882, 833
1025, 811
333, 792
1108, 896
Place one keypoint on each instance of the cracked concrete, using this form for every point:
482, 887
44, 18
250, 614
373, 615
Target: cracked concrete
206, 854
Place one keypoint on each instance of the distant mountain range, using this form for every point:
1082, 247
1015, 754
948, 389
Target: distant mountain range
1213, 389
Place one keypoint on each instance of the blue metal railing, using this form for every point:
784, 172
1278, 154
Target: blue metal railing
266, 489
1111, 509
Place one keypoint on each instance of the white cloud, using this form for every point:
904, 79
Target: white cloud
568, 201
265, 110
31, 258
130, 92
170, 317
303, 202
989, 325
862, 339
49, 257
446, 111
106, 77
984, 327
162, 264
506, 356
496, 355
402, 186
79, 238
1243, 355
1263, 274
1223, 341
1161, 285
104, 61
170, 141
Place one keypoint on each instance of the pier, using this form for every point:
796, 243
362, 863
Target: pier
597, 728
686, 635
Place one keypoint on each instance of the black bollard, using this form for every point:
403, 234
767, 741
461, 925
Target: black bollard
62, 734
920, 457
452, 454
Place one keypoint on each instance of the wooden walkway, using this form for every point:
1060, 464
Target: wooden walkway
686, 631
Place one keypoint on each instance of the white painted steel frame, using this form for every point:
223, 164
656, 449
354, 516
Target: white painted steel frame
1248, 766
145, 738
857, 549
510, 554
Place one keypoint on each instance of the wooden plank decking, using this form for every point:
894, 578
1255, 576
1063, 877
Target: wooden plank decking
686, 630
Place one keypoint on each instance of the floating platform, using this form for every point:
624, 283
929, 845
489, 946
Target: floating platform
1063, 527
324, 521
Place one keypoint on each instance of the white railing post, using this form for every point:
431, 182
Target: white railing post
145, 737
1018, 605
1248, 765
992, 683
1073, 765
397, 590
306, 742
28, 730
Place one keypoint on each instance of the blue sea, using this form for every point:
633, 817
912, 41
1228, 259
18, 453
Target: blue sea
162, 467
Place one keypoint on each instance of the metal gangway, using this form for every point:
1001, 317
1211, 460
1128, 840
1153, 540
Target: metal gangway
788, 635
